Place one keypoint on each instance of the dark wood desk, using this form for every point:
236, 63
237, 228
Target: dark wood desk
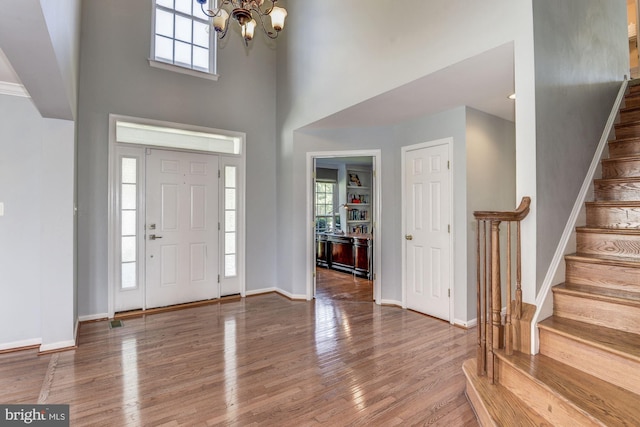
350, 252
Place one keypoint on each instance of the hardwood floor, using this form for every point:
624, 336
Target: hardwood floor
263, 360
336, 285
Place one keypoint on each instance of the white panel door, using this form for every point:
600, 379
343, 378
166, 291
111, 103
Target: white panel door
181, 228
428, 217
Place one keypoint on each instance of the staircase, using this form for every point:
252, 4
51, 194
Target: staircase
588, 370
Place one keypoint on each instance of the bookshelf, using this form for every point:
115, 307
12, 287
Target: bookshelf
359, 200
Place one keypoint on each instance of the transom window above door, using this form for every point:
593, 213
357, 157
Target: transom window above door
182, 37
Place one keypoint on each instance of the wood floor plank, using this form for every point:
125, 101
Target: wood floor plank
263, 360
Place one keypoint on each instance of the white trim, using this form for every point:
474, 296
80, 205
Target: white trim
544, 302
376, 227
468, 324
403, 151
261, 291
57, 345
112, 250
290, 295
20, 344
178, 69
13, 89
92, 317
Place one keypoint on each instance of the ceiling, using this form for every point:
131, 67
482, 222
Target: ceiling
482, 82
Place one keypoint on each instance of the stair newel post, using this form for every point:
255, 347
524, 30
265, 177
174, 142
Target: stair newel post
508, 338
518, 275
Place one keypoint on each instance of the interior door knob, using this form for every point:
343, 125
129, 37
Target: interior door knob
408, 236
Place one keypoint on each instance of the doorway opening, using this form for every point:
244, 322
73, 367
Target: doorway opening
343, 245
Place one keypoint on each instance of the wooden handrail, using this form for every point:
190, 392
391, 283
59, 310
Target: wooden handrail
491, 331
518, 215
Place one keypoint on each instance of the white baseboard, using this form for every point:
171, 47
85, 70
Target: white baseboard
466, 324
260, 291
57, 345
91, 317
290, 295
20, 344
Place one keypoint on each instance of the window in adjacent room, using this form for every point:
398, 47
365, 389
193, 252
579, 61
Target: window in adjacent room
182, 36
327, 218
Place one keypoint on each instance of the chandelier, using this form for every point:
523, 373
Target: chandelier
245, 13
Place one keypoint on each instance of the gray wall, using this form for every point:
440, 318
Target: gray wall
372, 60
581, 56
116, 78
491, 180
389, 139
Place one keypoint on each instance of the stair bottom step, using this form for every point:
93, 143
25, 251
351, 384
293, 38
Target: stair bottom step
564, 393
495, 405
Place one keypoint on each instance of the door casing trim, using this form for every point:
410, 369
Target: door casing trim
112, 264
377, 219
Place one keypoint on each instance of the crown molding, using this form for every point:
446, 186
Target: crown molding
13, 89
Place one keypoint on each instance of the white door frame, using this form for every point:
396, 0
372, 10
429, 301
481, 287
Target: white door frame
449, 143
376, 228
112, 231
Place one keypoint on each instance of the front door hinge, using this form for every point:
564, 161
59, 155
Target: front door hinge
448, 164
218, 278
218, 226
449, 293
448, 228
218, 173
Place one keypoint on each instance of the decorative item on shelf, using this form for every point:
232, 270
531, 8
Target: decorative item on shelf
354, 180
244, 11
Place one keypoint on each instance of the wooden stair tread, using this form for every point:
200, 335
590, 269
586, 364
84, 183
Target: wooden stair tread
625, 140
604, 259
617, 180
610, 404
597, 292
608, 230
629, 109
615, 203
631, 123
622, 158
624, 344
504, 408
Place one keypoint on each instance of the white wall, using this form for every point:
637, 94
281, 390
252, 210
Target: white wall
37, 239
116, 78
20, 251
40, 38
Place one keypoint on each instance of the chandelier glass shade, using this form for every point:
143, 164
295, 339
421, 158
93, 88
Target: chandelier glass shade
247, 13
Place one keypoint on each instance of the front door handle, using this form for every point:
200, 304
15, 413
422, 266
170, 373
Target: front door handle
154, 237
408, 236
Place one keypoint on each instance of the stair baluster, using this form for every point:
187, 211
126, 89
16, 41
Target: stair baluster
489, 295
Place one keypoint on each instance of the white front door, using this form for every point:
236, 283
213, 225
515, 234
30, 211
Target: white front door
181, 228
428, 218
